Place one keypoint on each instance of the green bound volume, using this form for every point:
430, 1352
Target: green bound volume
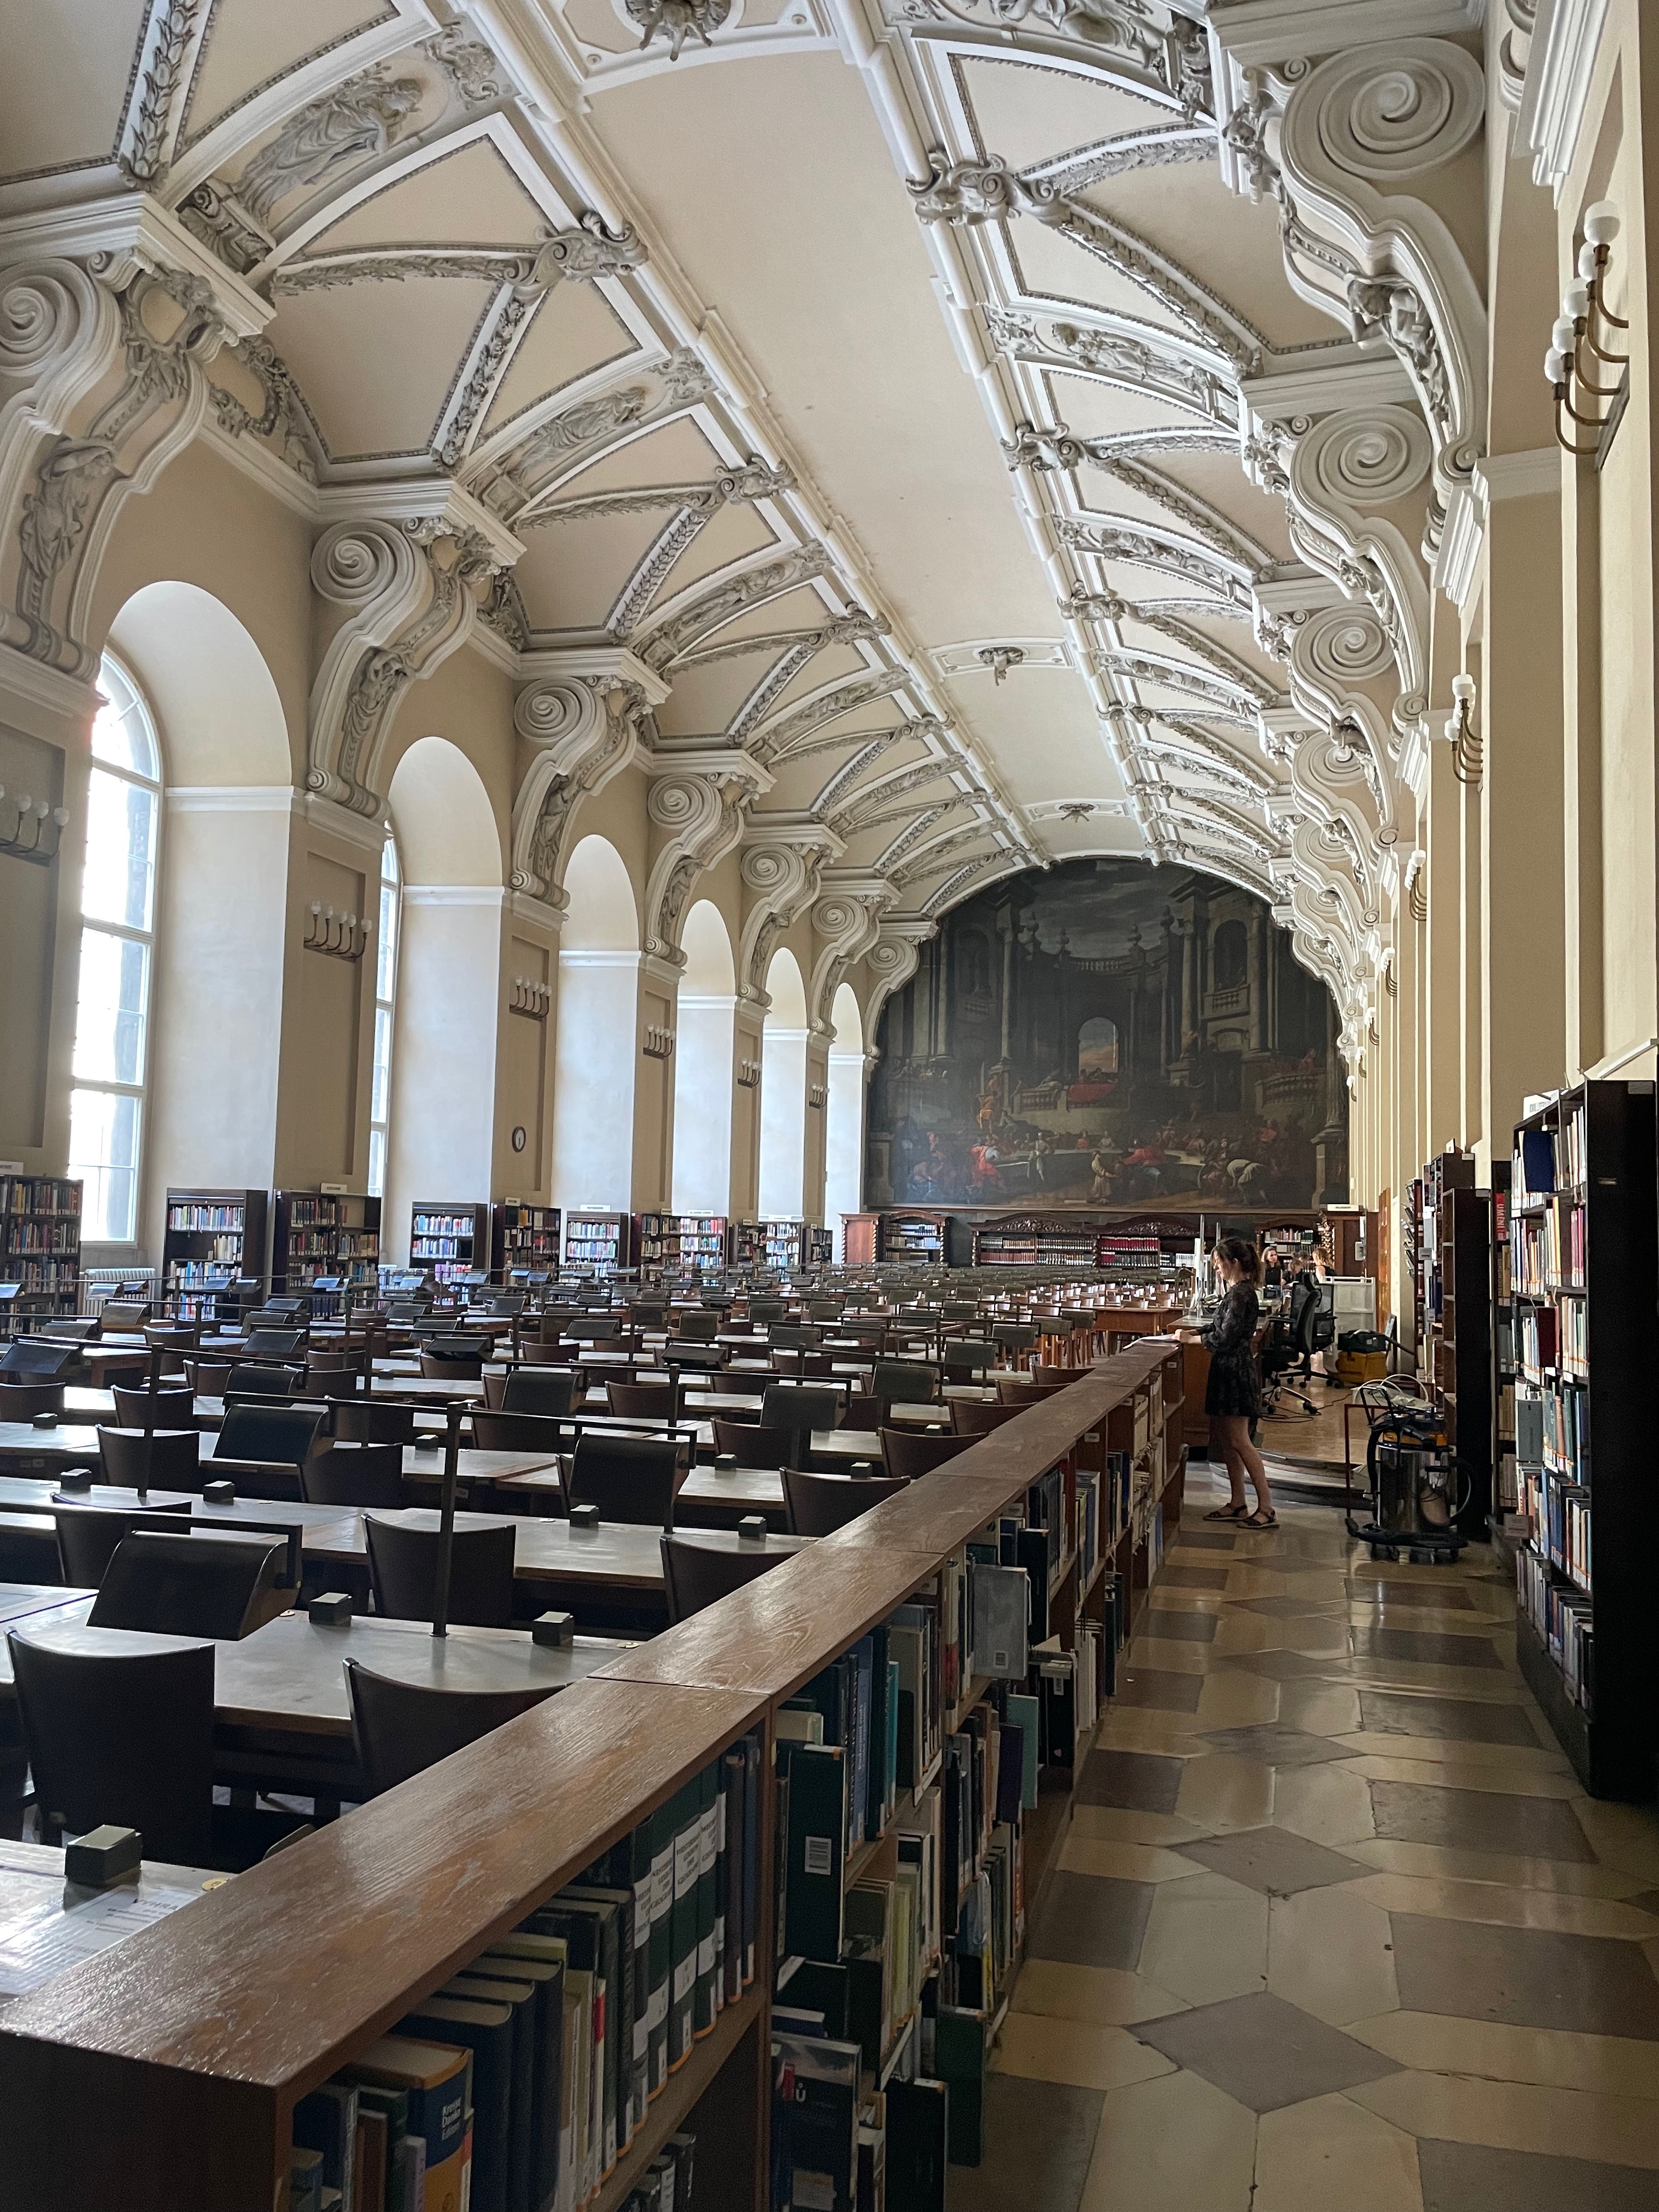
539, 1960
815, 1851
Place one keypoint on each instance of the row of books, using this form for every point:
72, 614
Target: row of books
39, 1275
38, 1194
1552, 1429
195, 1216
1559, 1513
1533, 1167
1564, 1618
445, 1224
43, 1237
518, 2086
423, 1247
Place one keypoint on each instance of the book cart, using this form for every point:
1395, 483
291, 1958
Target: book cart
193, 2041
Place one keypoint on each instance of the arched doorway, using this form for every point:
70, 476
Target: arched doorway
843, 1136
597, 1014
783, 1091
702, 1069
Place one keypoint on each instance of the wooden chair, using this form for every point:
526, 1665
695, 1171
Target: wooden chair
374, 1421
642, 1401
453, 1364
401, 1728
970, 1419
1024, 1390
631, 1479
163, 1409
909, 1456
904, 1383
22, 1402
402, 1566
191, 1582
818, 1504
698, 1325
269, 1432
546, 1391
697, 1572
863, 1412
752, 1444
1013, 1338
726, 1384
361, 1474
90, 1535
209, 1378
262, 1382
170, 1459
795, 1405
967, 1359
522, 1432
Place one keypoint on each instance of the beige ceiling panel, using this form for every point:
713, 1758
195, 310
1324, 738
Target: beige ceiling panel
376, 361
1115, 834
249, 44
1027, 113
706, 699
679, 453
1095, 409
575, 329
571, 573
1219, 480
63, 74
595, 23
469, 197
1222, 238
1051, 267
737, 533
823, 279
1108, 500
1042, 725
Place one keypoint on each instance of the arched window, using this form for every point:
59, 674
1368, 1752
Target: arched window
1097, 1048
386, 985
1233, 946
117, 909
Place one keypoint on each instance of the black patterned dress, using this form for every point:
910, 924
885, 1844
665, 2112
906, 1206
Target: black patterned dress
1233, 1388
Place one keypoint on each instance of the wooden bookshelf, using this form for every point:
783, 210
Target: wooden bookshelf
601, 1241
525, 1237
680, 1244
1456, 1355
213, 1239
1581, 1215
194, 2039
858, 1239
316, 1233
818, 1245
1505, 1491
915, 1234
40, 1249
449, 1239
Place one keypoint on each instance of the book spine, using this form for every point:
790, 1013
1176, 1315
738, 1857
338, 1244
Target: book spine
661, 1945
708, 1860
682, 2003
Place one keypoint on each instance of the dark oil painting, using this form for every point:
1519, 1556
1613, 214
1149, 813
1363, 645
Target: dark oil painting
1109, 1033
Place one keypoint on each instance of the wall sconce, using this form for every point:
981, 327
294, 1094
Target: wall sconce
818, 1096
341, 936
1467, 757
533, 1000
748, 1074
658, 1041
1582, 310
36, 830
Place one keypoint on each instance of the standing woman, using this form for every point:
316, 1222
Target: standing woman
1233, 1397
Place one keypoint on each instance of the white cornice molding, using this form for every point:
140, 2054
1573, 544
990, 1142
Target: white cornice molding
1566, 40
1256, 31
134, 228
232, 798
458, 894
1457, 563
421, 499
617, 661
257, 461
576, 957
534, 913
1381, 382
21, 677
329, 820
1520, 476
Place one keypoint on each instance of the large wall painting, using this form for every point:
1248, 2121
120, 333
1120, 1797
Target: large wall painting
1109, 1033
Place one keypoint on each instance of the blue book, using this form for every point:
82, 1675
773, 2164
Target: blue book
862, 1659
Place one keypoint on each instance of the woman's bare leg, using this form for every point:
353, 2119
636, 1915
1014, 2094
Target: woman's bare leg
1223, 1440
1238, 1446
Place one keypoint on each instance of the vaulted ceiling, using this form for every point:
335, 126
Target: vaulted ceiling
946, 401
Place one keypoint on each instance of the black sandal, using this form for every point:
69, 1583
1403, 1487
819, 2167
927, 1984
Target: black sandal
1226, 1513
1255, 1521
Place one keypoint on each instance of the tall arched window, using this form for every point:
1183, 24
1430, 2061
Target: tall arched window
117, 908
385, 987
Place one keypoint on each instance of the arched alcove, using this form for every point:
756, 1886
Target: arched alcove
702, 1069
446, 1010
783, 1091
221, 910
598, 1017
843, 1136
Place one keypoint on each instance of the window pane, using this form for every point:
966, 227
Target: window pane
377, 1111
109, 1027
385, 963
120, 731
121, 874
104, 1152
376, 1163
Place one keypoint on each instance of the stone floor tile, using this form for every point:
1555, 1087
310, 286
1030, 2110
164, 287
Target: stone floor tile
1567, 1877
1470, 2178
1280, 1665
1224, 1792
1124, 1862
1263, 2052
1451, 1597
1331, 1953
1322, 1708
1106, 1995
1425, 1647
1173, 1658
1518, 2115
1437, 2043
1626, 1836
1291, 1609
1527, 1977
1520, 1762
1273, 1861
1498, 1905
1122, 1824
1153, 1687
1136, 1728
1040, 2139
1459, 1720
1330, 2152
1193, 1578
1328, 1805
1134, 1780
1093, 1920
1206, 1540
1086, 2056
1169, 1624
1172, 2145
1276, 1744
1206, 1940
1493, 1818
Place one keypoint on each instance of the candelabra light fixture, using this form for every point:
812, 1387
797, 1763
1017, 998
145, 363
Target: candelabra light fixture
658, 1043
30, 829
748, 1074
1584, 322
532, 998
341, 936
1468, 759
818, 1096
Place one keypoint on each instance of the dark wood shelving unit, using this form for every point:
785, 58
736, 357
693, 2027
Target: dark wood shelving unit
40, 1249
318, 1233
528, 1237
213, 1239
603, 1241
449, 1238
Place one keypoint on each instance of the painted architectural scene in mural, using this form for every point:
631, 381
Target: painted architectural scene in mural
1108, 1034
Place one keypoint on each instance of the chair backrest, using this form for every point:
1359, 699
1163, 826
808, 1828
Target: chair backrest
545, 1390
355, 1475
518, 1432
642, 1401
699, 1325
629, 1477
696, 1569
170, 1459
751, 1443
909, 1456
121, 1736
1024, 1389
402, 1727
30, 1359
88, 1536
767, 1308
276, 1479
795, 1335
338, 1384
818, 1504
262, 1382
22, 1402
374, 1421
163, 1409
402, 1566
274, 1343
328, 1363
1013, 1336
272, 1432
1322, 1328
186, 1582
965, 1355
798, 1406
904, 1383
209, 1378
969, 1419
453, 1364
962, 1309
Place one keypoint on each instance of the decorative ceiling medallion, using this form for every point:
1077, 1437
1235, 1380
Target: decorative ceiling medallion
996, 656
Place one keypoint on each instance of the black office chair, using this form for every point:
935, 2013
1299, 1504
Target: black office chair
269, 1432
403, 1567
1289, 1345
818, 1504
162, 1409
400, 1729
698, 1570
262, 1382
374, 1421
545, 1390
799, 1408
362, 1475
908, 1456
89, 1537
751, 1443
168, 1459
191, 1582
631, 1479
